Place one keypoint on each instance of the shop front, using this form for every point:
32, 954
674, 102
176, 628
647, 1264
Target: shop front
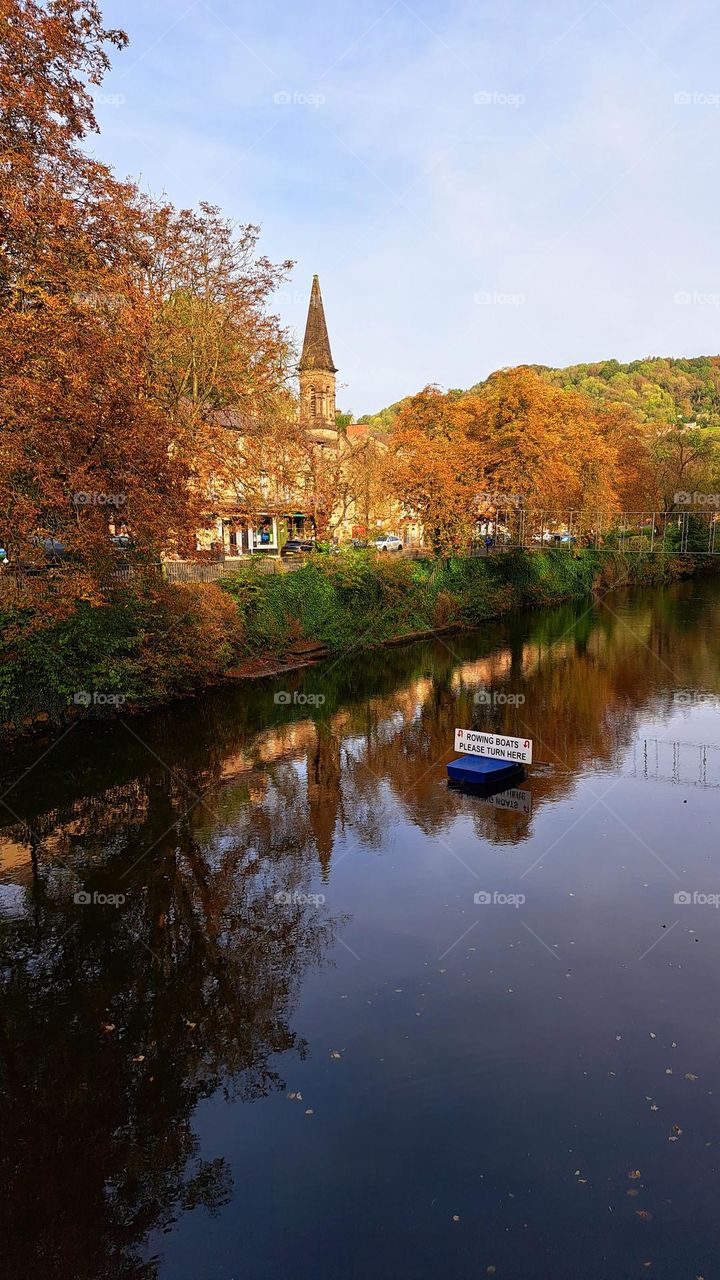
242, 537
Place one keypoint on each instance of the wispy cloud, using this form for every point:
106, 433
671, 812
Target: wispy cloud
419, 156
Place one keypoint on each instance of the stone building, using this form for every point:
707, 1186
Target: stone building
236, 531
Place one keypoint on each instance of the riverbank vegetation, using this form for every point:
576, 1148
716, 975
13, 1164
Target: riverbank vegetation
153, 641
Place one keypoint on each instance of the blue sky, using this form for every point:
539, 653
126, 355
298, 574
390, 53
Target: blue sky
477, 184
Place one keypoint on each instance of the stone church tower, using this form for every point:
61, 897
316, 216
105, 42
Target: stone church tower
317, 374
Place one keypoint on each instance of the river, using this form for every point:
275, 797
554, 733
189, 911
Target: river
277, 1002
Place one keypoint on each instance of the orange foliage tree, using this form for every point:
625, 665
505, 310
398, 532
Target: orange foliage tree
545, 445
80, 439
435, 470
529, 444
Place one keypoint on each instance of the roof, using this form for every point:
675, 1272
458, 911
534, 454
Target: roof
316, 353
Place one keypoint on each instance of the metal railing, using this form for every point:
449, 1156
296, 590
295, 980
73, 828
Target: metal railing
682, 532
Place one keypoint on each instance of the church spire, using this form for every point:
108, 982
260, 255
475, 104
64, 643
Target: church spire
316, 354
317, 375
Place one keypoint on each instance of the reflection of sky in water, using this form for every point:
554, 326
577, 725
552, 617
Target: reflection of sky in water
13, 900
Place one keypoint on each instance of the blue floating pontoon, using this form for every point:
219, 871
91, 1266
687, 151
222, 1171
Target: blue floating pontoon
481, 772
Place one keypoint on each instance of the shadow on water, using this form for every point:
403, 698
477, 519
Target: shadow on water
207, 833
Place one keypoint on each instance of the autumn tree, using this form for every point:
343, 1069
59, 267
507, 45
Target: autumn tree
544, 445
680, 460
435, 470
79, 436
219, 362
366, 465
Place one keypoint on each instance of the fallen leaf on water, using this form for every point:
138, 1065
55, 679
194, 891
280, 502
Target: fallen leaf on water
652, 1037
292, 1095
634, 1173
654, 1107
689, 1076
490, 1271
140, 1058
633, 1191
456, 1217
676, 1129
309, 1112
107, 1028
643, 1213
190, 1025
334, 1054
668, 1071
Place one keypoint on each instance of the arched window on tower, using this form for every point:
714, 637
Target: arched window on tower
313, 403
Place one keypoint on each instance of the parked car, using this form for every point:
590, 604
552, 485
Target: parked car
54, 555
389, 543
297, 546
54, 550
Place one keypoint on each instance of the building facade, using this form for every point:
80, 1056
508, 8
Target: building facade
318, 503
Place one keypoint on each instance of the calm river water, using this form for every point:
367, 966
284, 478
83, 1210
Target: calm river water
324, 1017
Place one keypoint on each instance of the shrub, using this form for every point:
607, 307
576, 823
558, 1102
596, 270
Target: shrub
149, 642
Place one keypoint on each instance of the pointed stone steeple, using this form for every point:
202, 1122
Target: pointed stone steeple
316, 354
317, 374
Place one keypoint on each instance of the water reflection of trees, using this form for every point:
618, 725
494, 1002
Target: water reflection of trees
201, 817
118, 1020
